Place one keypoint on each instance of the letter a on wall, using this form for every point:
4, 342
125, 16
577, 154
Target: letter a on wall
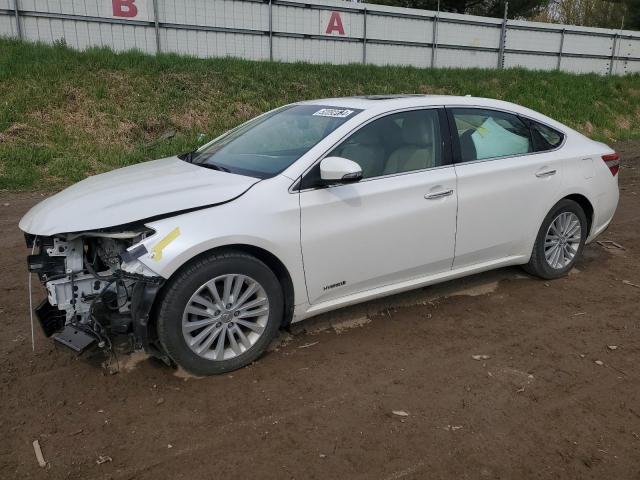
335, 24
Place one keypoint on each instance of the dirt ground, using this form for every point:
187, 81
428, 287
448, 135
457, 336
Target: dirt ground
557, 397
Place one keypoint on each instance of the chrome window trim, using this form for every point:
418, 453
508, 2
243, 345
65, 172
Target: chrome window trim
491, 159
355, 129
453, 164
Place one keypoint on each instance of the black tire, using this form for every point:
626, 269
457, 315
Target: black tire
186, 282
538, 264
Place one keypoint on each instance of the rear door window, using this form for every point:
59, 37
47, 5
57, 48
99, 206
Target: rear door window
484, 134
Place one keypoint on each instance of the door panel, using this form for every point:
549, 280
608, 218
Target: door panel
377, 232
505, 188
501, 204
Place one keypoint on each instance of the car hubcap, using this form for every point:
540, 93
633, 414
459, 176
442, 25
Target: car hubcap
225, 317
562, 240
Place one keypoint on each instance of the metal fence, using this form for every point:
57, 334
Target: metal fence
321, 31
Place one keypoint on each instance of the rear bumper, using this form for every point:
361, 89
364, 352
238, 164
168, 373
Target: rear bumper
596, 233
604, 211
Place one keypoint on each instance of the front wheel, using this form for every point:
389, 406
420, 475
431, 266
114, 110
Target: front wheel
560, 241
220, 313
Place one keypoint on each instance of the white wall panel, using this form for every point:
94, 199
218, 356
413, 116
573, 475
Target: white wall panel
7, 26
619, 67
56, 32
316, 51
219, 13
596, 45
628, 66
399, 55
469, 35
312, 18
399, 29
585, 65
532, 40
82, 35
214, 44
449, 58
533, 62
293, 19
628, 47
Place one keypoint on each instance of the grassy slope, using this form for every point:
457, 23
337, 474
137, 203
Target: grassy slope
65, 115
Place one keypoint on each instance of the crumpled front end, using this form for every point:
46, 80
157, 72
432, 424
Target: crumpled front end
96, 288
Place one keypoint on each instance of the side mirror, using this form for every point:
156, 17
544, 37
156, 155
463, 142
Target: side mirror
337, 170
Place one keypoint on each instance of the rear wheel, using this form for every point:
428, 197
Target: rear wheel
220, 313
560, 241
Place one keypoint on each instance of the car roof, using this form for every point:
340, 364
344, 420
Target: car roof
376, 104
366, 102
393, 101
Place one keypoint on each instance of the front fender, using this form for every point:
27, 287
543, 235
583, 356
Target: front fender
272, 225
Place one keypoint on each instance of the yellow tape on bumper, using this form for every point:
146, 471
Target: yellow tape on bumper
156, 251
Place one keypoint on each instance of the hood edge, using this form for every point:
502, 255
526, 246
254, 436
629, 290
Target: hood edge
154, 218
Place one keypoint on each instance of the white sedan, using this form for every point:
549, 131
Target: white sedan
199, 259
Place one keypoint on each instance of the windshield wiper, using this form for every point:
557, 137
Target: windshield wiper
188, 156
213, 166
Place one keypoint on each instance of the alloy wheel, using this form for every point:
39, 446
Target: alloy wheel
562, 241
225, 317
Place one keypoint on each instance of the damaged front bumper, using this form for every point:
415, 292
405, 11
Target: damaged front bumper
96, 289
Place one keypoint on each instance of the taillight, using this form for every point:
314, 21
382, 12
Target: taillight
613, 162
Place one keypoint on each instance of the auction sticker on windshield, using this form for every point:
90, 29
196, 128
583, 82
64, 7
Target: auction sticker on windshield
333, 112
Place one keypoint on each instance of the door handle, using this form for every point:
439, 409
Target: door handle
433, 196
546, 173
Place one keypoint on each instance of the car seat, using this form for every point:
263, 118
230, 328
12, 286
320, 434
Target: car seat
417, 151
366, 150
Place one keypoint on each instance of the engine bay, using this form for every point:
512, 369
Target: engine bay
96, 288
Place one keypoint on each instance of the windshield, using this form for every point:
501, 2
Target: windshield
265, 146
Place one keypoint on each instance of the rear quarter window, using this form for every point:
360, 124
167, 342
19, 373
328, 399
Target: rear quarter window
544, 138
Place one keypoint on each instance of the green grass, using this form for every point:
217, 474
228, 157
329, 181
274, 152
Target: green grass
65, 114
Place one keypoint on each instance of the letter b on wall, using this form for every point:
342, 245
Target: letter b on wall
132, 9
124, 8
